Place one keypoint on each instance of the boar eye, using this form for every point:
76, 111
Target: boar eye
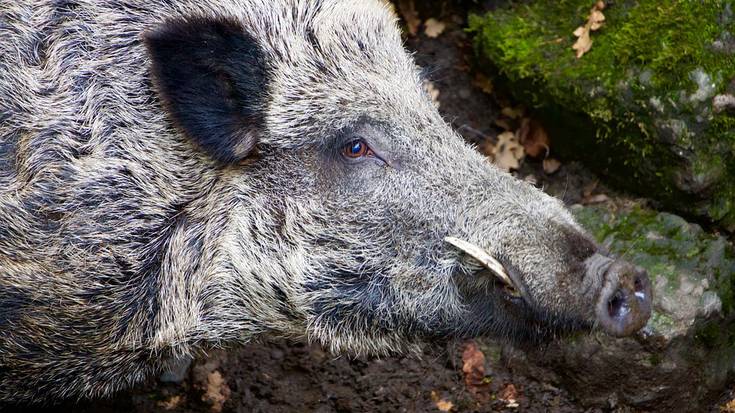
357, 149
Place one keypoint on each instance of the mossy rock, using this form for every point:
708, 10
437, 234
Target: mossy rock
684, 356
646, 106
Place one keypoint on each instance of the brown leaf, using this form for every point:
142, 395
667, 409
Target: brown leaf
509, 395
473, 367
729, 407
216, 392
407, 8
433, 27
583, 43
594, 22
533, 137
171, 402
441, 404
596, 19
508, 153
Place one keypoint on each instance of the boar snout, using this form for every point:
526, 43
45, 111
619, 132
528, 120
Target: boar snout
624, 304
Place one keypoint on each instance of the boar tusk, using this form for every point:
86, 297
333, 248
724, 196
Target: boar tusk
481, 255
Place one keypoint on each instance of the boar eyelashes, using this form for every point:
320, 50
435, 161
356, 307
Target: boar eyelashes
212, 79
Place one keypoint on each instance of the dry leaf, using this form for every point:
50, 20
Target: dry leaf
595, 20
473, 367
410, 15
483, 83
171, 403
441, 404
217, 392
729, 407
583, 43
433, 27
509, 395
508, 152
550, 165
533, 137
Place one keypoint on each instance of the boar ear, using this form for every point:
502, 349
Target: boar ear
211, 76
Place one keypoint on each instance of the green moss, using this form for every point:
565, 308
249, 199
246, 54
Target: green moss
643, 90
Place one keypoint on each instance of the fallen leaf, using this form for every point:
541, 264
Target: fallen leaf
509, 395
483, 83
408, 11
171, 403
594, 22
433, 27
729, 407
441, 404
473, 367
583, 43
533, 137
550, 165
217, 392
508, 153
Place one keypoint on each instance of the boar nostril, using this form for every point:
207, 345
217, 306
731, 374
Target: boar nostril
617, 306
624, 304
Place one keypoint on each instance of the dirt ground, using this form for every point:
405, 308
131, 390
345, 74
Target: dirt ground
279, 376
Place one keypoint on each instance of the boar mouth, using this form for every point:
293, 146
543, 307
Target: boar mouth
487, 261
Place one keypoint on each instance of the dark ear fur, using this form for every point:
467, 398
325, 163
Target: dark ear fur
212, 78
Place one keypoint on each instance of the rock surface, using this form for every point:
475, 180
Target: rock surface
651, 105
681, 360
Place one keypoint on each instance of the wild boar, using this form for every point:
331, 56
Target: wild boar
183, 173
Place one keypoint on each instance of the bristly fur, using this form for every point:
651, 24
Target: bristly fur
136, 223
